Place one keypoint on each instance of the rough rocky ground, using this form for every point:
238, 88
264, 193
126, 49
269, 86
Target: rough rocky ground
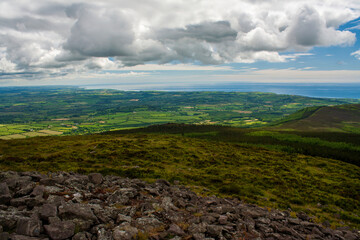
79, 207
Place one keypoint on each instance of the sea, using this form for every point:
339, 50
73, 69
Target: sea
318, 90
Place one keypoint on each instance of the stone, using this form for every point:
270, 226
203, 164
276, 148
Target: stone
25, 190
199, 236
48, 182
82, 236
123, 218
60, 230
163, 182
214, 230
167, 204
76, 210
124, 232
29, 227
5, 195
197, 228
22, 237
351, 236
122, 196
38, 191
48, 210
4, 236
104, 234
176, 230
223, 220
95, 178
148, 223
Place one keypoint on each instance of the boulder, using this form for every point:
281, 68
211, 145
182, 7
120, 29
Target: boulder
176, 230
60, 230
48, 210
76, 210
124, 232
5, 195
95, 178
29, 227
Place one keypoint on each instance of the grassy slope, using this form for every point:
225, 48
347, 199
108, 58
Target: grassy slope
336, 145
334, 118
253, 174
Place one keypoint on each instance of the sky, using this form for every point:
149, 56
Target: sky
169, 42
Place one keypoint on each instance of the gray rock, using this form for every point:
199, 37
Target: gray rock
54, 220
4, 236
48, 210
82, 236
124, 232
5, 195
122, 196
29, 227
104, 235
22, 237
199, 236
176, 230
38, 191
60, 230
149, 223
214, 230
223, 220
167, 204
95, 178
9, 219
351, 236
123, 218
30, 202
25, 190
197, 228
48, 182
83, 225
76, 210
163, 182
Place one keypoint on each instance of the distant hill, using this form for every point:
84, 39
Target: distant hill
341, 118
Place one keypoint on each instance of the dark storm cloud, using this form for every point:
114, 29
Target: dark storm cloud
101, 34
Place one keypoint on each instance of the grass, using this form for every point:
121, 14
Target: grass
325, 188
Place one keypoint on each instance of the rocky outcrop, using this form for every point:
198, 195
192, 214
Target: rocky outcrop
78, 207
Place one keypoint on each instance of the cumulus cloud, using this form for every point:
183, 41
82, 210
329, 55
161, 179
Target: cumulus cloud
76, 35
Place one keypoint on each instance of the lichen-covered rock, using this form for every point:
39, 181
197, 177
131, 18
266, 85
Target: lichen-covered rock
60, 230
29, 227
5, 195
48, 210
79, 207
125, 232
76, 210
95, 178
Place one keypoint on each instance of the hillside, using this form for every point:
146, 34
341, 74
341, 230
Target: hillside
323, 188
72, 206
342, 118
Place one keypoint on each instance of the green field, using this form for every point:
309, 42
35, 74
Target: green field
74, 111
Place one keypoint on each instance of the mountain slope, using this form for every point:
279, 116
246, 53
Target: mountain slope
329, 118
324, 188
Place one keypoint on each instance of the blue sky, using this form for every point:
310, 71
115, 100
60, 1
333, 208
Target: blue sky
179, 42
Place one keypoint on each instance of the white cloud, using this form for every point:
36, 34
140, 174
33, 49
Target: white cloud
76, 35
356, 54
